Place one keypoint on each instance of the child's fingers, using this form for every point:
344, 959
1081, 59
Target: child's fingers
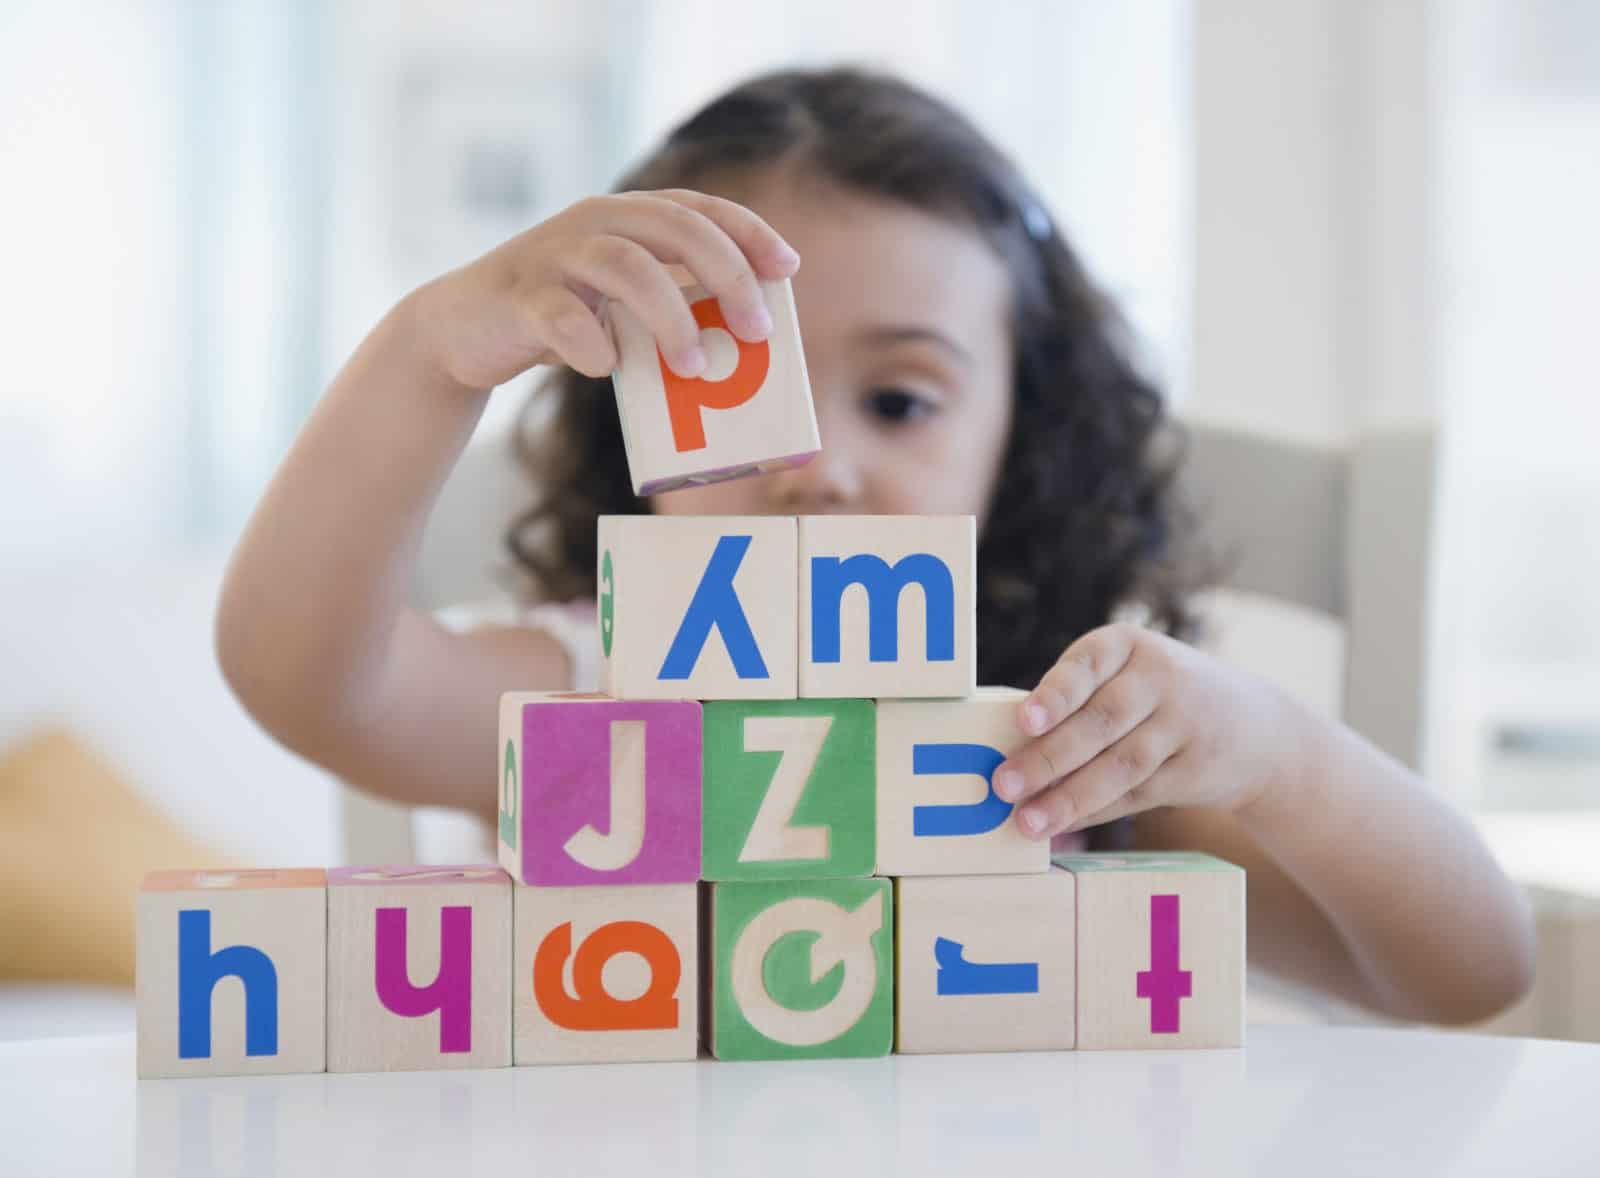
676, 230
622, 269
1089, 662
1108, 716
1119, 773
1154, 791
564, 324
770, 255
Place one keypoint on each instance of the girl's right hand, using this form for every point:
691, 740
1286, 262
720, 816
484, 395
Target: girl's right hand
536, 299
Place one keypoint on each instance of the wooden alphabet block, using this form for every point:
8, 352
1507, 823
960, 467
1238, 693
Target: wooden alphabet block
787, 791
888, 606
985, 963
1162, 949
419, 968
750, 410
605, 975
230, 972
825, 991
596, 790
938, 813
697, 607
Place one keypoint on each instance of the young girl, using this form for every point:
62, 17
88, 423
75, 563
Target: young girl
960, 362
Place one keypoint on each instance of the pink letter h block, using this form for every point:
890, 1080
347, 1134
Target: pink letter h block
596, 791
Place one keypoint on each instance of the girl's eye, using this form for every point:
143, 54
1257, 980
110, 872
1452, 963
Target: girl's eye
897, 405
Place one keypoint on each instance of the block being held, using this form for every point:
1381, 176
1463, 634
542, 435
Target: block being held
748, 412
938, 813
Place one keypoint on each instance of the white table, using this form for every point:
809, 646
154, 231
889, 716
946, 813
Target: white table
1296, 1100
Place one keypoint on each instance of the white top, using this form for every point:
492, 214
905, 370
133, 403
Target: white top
445, 835
572, 624
1306, 1101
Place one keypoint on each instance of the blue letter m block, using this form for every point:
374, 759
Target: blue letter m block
830, 576
199, 971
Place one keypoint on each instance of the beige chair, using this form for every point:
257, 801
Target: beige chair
1346, 532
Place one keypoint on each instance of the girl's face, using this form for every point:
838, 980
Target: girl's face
904, 316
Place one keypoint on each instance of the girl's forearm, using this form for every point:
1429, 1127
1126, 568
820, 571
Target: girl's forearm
317, 580
1438, 931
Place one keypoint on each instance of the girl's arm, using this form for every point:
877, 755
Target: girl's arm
1361, 881
312, 631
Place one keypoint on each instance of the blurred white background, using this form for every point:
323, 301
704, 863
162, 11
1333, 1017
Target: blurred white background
1321, 216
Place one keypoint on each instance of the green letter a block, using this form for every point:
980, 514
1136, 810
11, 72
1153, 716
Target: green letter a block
802, 969
788, 789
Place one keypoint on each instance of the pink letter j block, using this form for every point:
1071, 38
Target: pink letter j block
595, 790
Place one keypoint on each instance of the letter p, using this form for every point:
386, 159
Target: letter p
688, 395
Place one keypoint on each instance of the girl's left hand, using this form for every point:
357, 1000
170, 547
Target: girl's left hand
1129, 719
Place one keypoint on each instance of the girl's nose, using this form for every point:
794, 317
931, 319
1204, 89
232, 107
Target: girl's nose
830, 482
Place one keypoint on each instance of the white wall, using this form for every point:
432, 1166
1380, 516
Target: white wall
1520, 135
90, 285
1394, 225
1313, 172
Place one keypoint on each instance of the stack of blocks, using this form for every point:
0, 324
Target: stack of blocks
773, 832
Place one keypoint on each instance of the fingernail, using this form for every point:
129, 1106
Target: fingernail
1037, 717
1049, 702
785, 255
760, 321
1033, 820
1008, 783
690, 362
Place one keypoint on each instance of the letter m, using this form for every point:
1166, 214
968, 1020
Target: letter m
831, 576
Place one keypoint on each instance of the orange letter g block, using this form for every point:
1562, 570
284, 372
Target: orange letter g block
687, 396
592, 1009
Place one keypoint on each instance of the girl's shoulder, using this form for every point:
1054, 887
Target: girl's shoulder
574, 624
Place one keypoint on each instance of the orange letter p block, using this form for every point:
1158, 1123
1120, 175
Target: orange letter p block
687, 396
